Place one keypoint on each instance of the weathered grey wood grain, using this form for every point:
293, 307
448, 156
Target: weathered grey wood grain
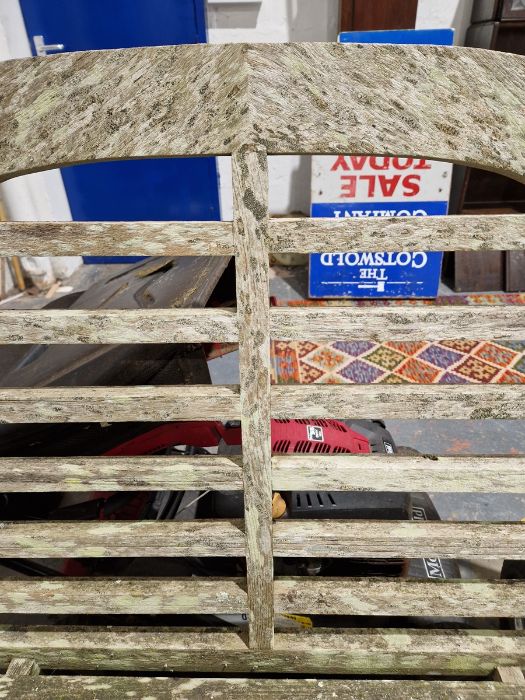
496, 323
122, 538
112, 687
506, 232
250, 231
74, 474
291, 98
398, 538
347, 472
389, 596
125, 103
22, 667
397, 401
117, 404
509, 674
123, 596
119, 326
426, 101
460, 105
116, 238
378, 651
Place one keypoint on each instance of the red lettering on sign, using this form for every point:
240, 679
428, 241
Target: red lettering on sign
348, 189
388, 184
379, 163
422, 164
411, 185
340, 163
371, 184
358, 162
396, 162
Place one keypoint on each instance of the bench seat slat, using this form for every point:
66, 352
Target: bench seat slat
96, 404
381, 472
122, 538
329, 324
398, 538
372, 651
470, 232
387, 596
145, 473
398, 401
86, 687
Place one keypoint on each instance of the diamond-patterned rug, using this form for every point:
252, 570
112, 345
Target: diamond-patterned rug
419, 362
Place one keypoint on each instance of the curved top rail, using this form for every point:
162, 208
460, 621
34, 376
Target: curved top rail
455, 104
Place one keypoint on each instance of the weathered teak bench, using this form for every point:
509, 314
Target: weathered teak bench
460, 105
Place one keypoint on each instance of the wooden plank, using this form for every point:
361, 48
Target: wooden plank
387, 596
348, 472
22, 667
119, 104
118, 404
119, 326
110, 687
250, 199
377, 651
329, 324
506, 232
306, 98
397, 401
122, 538
105, 105
123, 596
74, 474
509, 674
398, 538
116, 238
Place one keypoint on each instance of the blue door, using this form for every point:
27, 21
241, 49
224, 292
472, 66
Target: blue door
164, 189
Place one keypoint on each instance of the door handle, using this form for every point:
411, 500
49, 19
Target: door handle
43, 49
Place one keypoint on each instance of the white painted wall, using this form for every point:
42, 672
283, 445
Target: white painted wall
445, 13
40, 196
274, 21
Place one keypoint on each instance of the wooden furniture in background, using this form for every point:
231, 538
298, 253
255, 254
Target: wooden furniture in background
380, 14
248, 102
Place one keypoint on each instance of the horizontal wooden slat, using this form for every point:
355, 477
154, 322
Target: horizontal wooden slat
347, 472
122, 538
116, 238
378, 472
378, 651
388, 596
315, 596
497, 323
109, 688
398, 538
506, 232
118, 404
298, 538
119, 326
171, 473
398, 401
123, 596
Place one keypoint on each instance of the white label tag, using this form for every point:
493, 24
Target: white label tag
315, 433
